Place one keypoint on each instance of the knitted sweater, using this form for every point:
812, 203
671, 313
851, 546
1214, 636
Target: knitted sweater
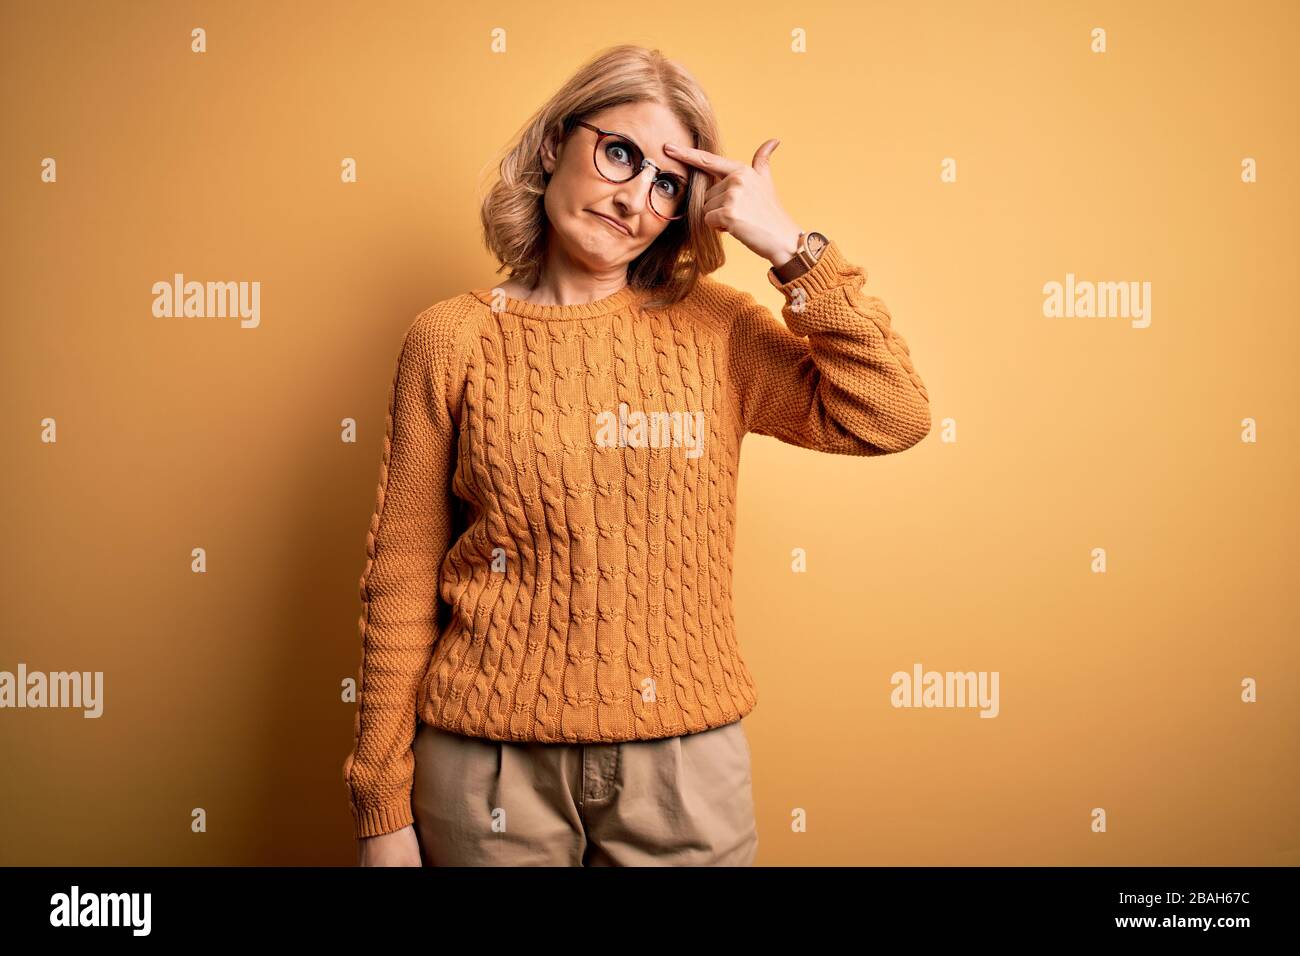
550, 556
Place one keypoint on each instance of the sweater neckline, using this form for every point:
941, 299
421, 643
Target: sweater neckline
552, 313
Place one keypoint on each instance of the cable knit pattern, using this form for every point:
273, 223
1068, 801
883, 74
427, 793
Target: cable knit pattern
528, 580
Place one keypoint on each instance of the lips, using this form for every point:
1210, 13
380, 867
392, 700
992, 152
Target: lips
617, 225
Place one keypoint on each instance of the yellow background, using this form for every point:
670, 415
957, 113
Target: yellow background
1118, 690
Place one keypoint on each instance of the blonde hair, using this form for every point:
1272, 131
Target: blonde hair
512, 212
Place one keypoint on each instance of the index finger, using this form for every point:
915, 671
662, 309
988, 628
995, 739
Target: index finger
702, 159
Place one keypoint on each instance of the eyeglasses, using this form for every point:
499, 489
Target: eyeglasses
618, 160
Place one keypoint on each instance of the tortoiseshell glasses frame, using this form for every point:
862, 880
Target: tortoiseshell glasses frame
637, 164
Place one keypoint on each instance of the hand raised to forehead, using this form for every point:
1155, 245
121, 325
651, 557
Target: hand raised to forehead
741, 199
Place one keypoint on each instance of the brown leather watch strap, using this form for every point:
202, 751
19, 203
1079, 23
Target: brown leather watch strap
803, 260
791, 270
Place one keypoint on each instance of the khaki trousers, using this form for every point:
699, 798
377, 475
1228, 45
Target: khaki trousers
677, 801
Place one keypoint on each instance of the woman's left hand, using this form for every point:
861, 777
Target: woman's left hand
742, 200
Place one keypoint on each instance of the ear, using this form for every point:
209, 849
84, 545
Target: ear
549, 151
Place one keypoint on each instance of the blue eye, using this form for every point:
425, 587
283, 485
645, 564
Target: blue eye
619, 153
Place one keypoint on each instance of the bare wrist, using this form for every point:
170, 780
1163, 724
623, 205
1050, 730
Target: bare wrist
787, 251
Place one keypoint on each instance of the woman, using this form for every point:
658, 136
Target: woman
550, 673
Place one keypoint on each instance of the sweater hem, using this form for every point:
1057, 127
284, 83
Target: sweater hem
685, 724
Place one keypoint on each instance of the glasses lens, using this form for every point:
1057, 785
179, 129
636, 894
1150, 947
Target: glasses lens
668, 196
619, 160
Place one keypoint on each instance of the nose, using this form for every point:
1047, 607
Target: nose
635, 193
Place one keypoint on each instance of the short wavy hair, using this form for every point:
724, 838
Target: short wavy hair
513, 214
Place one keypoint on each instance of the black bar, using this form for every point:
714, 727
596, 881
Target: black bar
654, 906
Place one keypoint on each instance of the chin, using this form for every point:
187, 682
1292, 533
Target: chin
596, 243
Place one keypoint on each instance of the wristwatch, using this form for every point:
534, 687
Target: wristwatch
811, 246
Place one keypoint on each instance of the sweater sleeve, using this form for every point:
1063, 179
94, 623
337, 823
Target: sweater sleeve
836, 378
409, 535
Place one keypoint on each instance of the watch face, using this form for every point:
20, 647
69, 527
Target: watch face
815, 243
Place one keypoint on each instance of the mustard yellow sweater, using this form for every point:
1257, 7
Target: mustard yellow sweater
550, 556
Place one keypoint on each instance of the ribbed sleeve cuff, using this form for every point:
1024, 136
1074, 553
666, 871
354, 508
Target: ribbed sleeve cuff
831, 271
385, 818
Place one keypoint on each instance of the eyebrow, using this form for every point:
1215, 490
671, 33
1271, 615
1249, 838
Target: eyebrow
682, 175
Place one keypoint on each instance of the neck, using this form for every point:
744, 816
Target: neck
566, 282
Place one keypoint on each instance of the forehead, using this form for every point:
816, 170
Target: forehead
649, 125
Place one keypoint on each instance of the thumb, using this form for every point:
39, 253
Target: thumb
763, 155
